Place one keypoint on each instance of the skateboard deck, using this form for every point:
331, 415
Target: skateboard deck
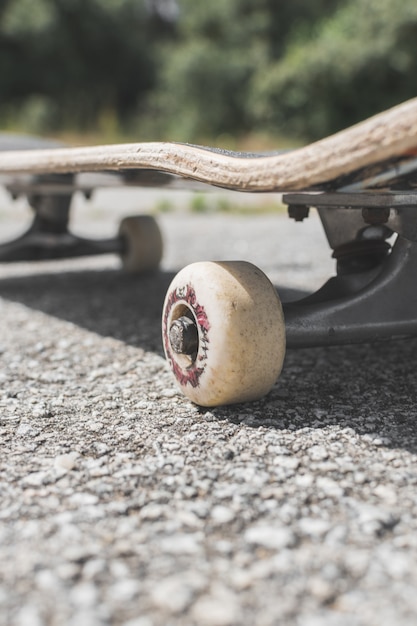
372, 154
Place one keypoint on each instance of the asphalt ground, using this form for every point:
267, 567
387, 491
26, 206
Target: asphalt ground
122, 503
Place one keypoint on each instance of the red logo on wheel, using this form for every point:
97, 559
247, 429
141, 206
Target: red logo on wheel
190, 374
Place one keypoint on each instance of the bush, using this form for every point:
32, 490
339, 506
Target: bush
360, 61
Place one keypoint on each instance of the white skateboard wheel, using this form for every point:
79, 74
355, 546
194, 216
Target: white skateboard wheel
143, 243
223, 332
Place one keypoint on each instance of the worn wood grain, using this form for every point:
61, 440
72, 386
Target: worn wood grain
384, 136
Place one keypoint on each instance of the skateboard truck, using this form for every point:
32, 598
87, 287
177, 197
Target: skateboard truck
373, 295
139, 241
49, 237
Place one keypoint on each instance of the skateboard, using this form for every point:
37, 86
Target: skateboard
224, 329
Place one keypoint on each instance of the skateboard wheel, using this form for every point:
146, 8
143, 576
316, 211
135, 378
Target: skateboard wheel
142, 243
223, 332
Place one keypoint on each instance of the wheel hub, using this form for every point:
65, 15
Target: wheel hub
183, 336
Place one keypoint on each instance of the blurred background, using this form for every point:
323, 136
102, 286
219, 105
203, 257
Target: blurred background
245, 74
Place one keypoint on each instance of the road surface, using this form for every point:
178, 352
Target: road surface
124, 504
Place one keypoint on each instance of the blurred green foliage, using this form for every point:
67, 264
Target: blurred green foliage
356, 62
203, 71
73, 63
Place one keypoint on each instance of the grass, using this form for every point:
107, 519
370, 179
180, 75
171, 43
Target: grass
207, 203
34, 118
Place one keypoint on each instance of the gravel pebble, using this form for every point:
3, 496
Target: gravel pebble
270, 537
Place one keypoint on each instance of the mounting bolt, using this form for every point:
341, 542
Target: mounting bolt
298, 212
375, 216
183, 336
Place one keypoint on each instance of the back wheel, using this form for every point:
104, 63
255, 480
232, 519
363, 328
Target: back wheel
142, 243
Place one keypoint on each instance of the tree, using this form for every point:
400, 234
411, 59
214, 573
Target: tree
208, 72
357, 62
193, 71
79, 58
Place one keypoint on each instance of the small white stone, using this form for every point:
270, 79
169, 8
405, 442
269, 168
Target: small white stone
28, 615
220, 608
287, 462
36, 479
86, 617
372, 518
68, 571
41, 410
304, 480
172, 595
142, 404
224, 546
93, 568
189, 519
318, 453
386, 493
26, 430
270, 537
95, 426
119, 569
263, 568
182, 544
83, 499
329, 487
398, 565
222, 514
124, 590
169, 393
313, 527
359, 478
241, 579
336, 535
84, 595
47, 580
66, 461
321, 589
152, 512
139, 621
